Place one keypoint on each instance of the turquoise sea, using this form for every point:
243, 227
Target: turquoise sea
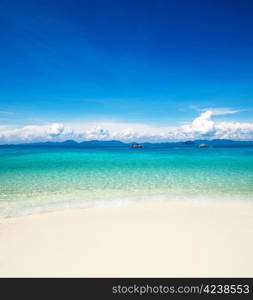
36, 179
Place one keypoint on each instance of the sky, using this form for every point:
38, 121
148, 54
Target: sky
133, 70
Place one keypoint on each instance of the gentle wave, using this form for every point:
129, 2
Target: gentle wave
119, 202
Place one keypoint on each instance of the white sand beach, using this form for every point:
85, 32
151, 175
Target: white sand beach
147, 240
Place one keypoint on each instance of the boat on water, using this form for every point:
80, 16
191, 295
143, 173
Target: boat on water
203, 146
135, 145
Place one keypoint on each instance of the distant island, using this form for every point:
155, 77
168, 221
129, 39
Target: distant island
114, 143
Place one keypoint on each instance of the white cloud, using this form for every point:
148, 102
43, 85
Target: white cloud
97, 134
32, 133
221, 111
218, 110
202, 126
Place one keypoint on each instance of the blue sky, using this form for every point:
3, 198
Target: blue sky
158, 63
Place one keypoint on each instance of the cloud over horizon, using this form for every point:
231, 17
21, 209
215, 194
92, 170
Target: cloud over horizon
202, 126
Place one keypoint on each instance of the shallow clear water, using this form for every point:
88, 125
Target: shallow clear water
34, 179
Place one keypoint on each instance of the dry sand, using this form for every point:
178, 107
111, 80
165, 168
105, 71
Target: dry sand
148, 240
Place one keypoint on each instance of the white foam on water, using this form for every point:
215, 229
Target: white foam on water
120, 201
